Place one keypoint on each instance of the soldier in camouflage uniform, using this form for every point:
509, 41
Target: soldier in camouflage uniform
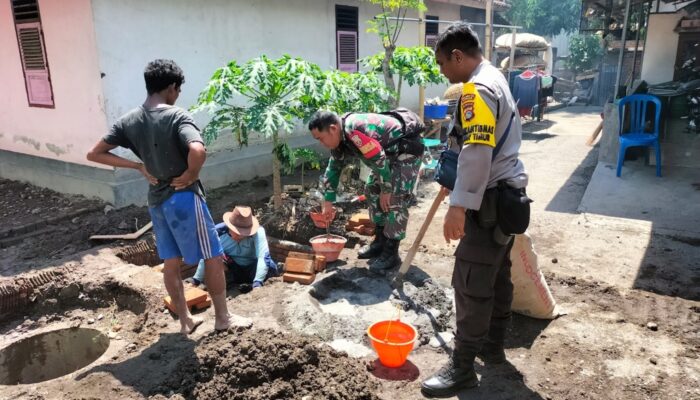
389, 186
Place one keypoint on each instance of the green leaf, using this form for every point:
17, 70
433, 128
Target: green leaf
416, 65
585, 52
286, 157
545, 17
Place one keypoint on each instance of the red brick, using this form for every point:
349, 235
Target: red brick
303, 256
304, 279
192, 296
299, 265
319, 263
204, 304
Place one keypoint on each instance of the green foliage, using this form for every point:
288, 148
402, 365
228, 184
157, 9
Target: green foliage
286, 157
308, 157
357, 92
268, 96
585, 52
263, 95
388, 30
545, 17
416, 65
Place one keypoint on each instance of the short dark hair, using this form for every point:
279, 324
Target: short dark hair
159, 74
321, 120
459, 36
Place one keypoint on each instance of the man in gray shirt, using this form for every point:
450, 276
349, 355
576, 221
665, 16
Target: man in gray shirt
487, 136
168, 142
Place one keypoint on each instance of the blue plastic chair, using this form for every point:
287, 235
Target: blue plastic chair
638, 105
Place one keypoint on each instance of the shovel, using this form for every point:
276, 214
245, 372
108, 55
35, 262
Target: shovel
397, 282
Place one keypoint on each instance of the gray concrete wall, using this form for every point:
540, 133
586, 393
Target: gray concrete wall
609, 143
123, 187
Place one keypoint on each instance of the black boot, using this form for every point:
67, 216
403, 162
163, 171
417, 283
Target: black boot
492, 353
453, 377
390, 256
375, 248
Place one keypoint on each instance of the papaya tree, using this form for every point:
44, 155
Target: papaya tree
306, 157
416, 65
388, 26
270, 97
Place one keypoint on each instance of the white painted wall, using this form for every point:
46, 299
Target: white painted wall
660, 48
203, 35
66, 131
561, 42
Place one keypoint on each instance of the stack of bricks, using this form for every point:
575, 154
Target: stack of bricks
280, 249
360, 223
302, 267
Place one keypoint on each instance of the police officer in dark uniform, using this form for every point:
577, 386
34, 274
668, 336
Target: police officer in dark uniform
487, 135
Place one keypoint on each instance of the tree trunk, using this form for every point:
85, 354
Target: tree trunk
398, 91
388, 78
276, 183
276, 178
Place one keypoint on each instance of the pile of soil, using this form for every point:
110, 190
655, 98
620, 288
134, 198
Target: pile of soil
264, 364
22, 203
293, 220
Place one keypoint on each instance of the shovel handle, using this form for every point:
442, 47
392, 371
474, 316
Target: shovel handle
424, 228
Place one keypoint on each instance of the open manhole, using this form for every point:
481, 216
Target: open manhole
50, 355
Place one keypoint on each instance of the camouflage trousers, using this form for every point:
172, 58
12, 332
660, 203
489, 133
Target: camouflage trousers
404, 174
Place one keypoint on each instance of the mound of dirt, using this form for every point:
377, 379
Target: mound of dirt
293, 221
264, 364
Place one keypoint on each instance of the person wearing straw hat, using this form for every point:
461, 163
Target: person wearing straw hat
246, 253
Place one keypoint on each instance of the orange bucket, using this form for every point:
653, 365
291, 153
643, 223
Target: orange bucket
320, 220
393, 341
328, 246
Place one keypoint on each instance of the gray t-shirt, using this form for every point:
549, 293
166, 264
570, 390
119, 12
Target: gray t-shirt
160, 138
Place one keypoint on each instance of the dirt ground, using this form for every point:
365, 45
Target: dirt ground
622, 338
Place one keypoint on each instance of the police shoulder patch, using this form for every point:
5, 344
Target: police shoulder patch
478, 121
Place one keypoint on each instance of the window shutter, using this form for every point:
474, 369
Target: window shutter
347, 51
431, 30
431, 41
36, 71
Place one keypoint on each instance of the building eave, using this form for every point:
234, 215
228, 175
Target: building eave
498, 5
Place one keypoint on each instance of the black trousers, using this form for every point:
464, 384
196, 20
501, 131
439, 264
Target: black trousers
483, 290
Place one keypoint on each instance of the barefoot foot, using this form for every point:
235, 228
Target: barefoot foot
190, 325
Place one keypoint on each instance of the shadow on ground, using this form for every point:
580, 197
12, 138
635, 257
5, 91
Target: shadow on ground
570, 194
500, 382
151, 369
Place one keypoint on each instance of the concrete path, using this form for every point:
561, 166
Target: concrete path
619, 235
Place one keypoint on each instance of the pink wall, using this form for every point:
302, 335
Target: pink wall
78, 120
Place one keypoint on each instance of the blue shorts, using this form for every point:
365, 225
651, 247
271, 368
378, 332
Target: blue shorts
184, 228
